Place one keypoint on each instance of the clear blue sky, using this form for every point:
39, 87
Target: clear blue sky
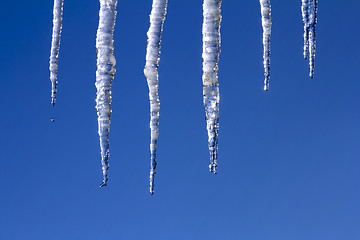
288, 158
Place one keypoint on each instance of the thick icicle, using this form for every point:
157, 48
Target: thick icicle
266, 24
157, 18
211, 52
309, 12
104, 76
55, 45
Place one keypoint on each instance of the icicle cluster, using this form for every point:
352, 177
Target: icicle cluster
157, 18
309, 11
211, 52
104, 76
55, 46
210, 55
266, 25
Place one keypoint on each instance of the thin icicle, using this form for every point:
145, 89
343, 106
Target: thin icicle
312, 39
55, 46
104, 76
309, 12
157, 18
266, 24
211, 52
305, 17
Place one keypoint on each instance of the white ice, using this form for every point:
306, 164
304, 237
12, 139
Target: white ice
157, 18
55, 46
266, 25
104, 76
210, 55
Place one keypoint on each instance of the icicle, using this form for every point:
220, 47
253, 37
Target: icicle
157, 18
305, 17
104, 76
266, 24
309, 11
312, 40
211, 52
55, 45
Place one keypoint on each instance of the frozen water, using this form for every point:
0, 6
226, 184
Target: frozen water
266, 25
210, 55
157, 18
104, 76
55, 45
309, 10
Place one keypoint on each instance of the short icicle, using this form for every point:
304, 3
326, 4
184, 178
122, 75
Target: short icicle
309, 11
312, 39
305, 18
104, 76
266, 25
157, 18
210, 55
55, 46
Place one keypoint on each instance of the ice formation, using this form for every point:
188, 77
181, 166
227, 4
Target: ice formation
309, 11
210, 55
211, 52
266, 25
55, 46
157, 18
104, 76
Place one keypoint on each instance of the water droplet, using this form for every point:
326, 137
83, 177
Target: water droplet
52, 120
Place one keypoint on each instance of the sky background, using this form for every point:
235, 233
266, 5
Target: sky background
288, 158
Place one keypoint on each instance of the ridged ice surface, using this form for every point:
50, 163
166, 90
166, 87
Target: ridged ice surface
266, 25
157, 18
309, 11
55, 46
104, 76
210, 55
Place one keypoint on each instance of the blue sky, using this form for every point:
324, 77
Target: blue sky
288, 158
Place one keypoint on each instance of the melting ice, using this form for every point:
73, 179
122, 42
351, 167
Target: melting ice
157, 18
210, 55
309, 11
104, 76
266, 25
55, 45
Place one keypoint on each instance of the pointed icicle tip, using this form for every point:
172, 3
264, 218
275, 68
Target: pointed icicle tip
103, 184
213, 168
153, 164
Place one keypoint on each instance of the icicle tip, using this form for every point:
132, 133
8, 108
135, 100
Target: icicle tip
103, 184
213, 164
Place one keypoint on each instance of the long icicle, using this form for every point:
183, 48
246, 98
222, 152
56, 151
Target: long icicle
157, 18
104, 76
266, 25
55, 46
210, 55
312, 39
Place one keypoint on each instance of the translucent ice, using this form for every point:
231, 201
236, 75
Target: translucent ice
55, 45
104, 76
266, 25
157, 18
309, 11
210, 55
